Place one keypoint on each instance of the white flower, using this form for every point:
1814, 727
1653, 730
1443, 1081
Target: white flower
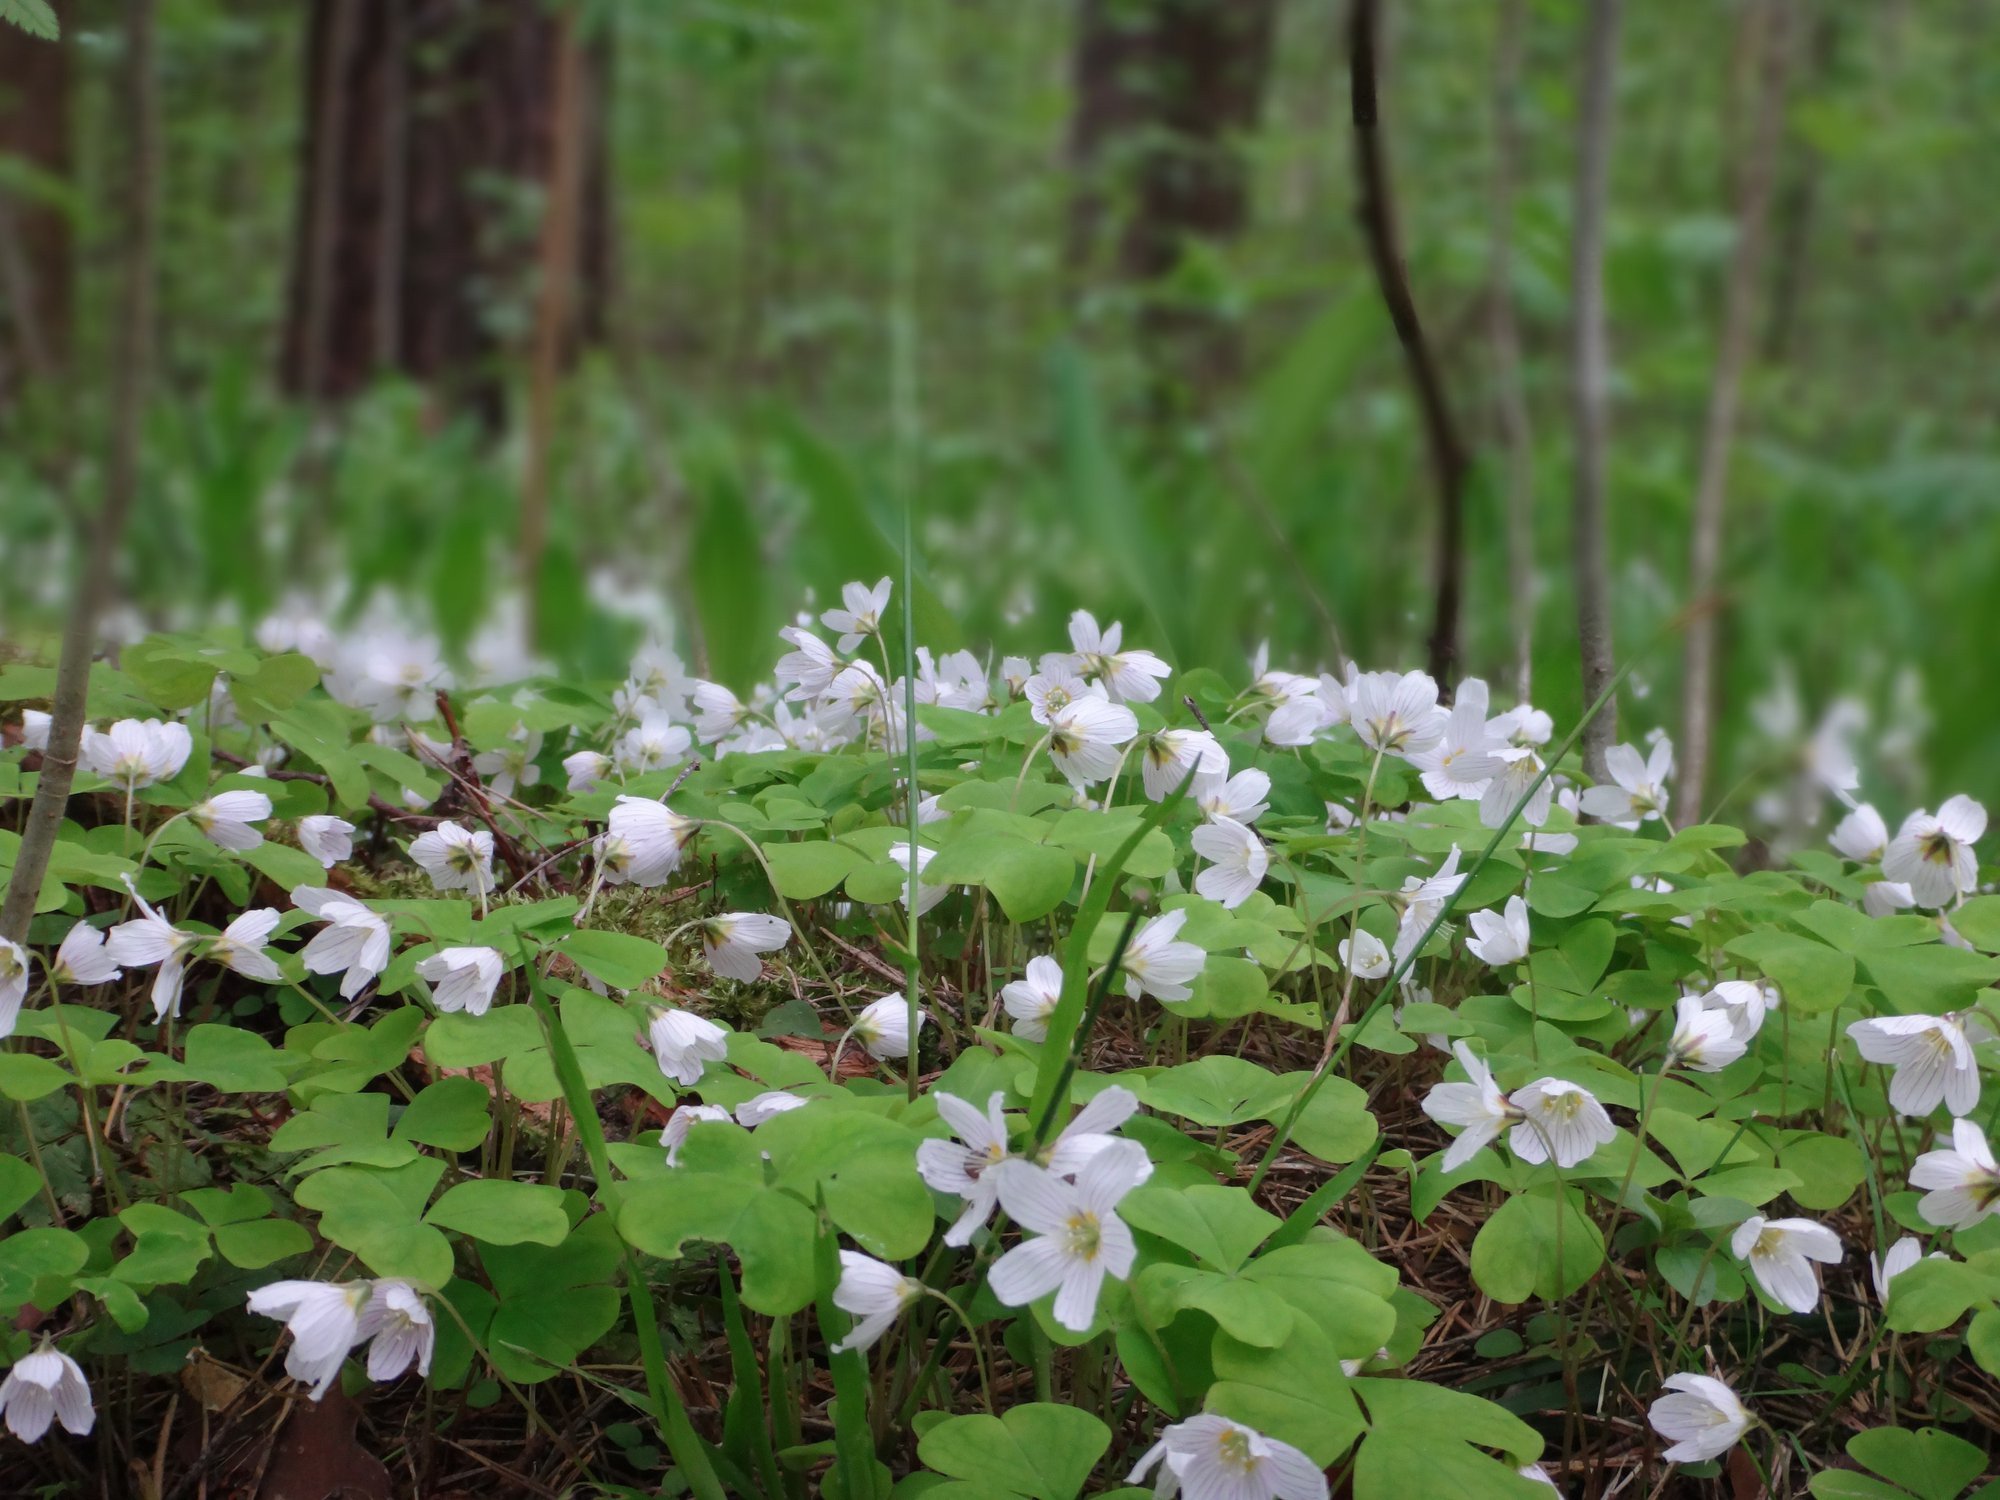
35, 726
43, 1387
1933, 1059
1300, 718
585, 769
768, 1105
1964, 1181
1703, 1418
324, 1320
1781, 1252
1464, 761
226, 817
1032, 999
1523, 725
463, 979
1208, 1457
732, 943
655, 838
1090, 1133
326, 838
1933, 855
883, 1026
1396, 713
151, 939
241, 947
1079, 1237
1365, 955
683, 1120
1884, 1269
872, 1290
13, 984
862, 616
1558, 1119
1239, 861
1085, 736
651, 744
1500, 938
1477, 1107
1157, 963
1128, 676
136, 753
684, 1043
513, 764
83, 958
355, 940
1703, 1039
1744, 1003
965, 1167
1862, 835
1884, 898
1514, 785
455, 858
1167, 756
928, 895
1637, 789
1049, 692
396, 1319
718, 713
1240, 796
809, 668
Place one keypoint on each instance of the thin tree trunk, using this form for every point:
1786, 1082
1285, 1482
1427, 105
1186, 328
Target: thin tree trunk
1510, 397
1377, 210
1592, 374
557, 259
1797, 205
95, 582
1772, 18
35, 238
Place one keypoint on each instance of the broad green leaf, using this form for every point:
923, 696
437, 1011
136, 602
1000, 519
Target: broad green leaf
619, 959
1931, 1464
1532, 1248
1812, 977
451, 1113
765, 1227
807, 871
1219, 1226
1036, 1449
496, 1211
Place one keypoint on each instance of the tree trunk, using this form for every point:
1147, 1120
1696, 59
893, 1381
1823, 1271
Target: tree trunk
1510, 396
1164, 89
1591, 374
427, 121
1377, 212
35, 269
1772, 20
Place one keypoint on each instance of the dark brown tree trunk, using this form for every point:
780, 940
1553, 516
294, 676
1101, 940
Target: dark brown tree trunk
35, 272
1165, 89
429, 125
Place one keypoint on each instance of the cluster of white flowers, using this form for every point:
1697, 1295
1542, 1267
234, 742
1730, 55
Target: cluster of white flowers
328, 1320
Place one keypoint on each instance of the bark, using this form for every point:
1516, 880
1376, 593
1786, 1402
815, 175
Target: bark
1772, 19
1377, 212
1797, 207
95, 584
35, 240
427, 122
1510, 397
1164, 91
1591, 375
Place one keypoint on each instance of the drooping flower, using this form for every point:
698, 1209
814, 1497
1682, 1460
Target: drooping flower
1704, 1040
1238, 861
861, 616
1364, 954
456, 858
928, 895
400, 1328
585, 769
683, 1120
1079, 1238
1464, 761
1500, 938
1933, 855
326, 838
1884, 898
44, 1387
1559, 1119
1240, 796
1477, 1107
1157, 963
768, 1105
1780, 1253
1085, 736
1932, 1057
1637, 790
1964, 1180
463, 979
1168, 755
1515, 786
809, 667
685, 1043
83, 959
1744, 1002
225, 818
355, 941
1032, 999
1862, 835
13, 984
241, 947
874, 1292
1209, 1457
1702, 1418
883, 1027
1300, 718
733, 942
1128, 676
1884, 1269
324, 1320
655, 837
149, 939
35, 726
1396, 713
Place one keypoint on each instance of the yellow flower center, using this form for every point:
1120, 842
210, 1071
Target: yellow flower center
1232, 1450
1085, 1234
